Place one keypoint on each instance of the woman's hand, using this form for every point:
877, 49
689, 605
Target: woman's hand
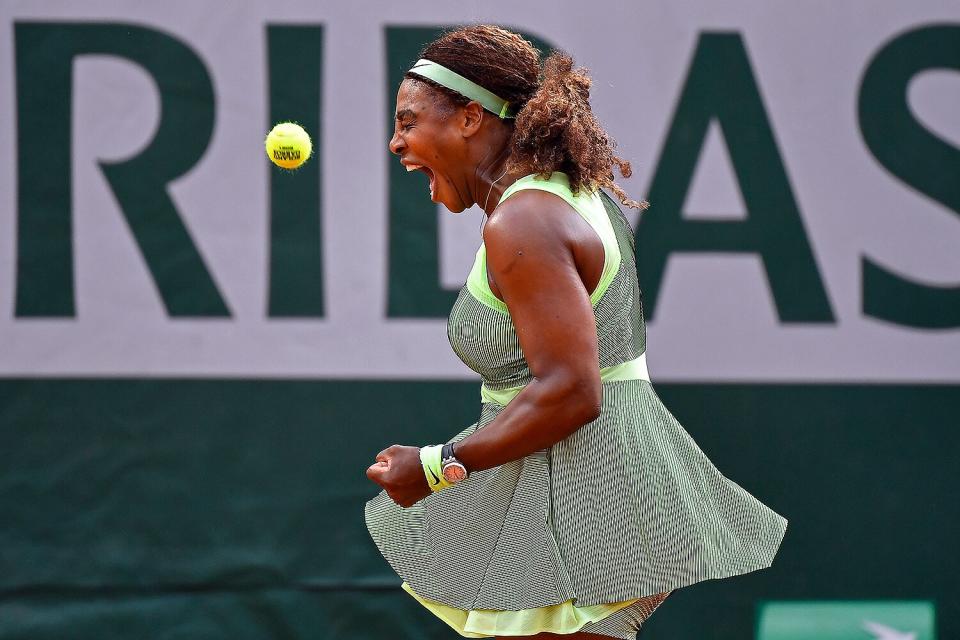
399, 472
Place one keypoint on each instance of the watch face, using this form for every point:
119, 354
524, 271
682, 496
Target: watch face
454, 472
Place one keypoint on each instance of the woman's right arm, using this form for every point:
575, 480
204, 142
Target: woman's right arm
531, 258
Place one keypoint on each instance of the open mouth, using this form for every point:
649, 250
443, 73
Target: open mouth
429, 173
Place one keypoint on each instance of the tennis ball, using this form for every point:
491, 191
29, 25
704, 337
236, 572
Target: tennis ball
288, 145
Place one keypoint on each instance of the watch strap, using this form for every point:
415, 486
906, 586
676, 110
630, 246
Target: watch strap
448, 460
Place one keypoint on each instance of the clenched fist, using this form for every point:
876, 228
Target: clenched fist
399, 472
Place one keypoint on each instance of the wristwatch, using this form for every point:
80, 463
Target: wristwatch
452, 469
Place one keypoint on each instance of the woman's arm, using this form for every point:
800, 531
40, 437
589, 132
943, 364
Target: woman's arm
531, 244
534, 243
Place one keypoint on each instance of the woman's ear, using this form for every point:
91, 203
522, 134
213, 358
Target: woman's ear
473, 115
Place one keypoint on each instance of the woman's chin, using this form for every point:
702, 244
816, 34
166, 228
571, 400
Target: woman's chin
452, 207
458, 208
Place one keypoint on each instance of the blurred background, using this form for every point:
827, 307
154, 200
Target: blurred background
200, 353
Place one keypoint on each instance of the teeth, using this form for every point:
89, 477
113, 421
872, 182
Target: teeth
412, 167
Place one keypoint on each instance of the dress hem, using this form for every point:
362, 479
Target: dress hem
563, 618
646, 591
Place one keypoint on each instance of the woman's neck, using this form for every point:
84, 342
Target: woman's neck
491, 177
493, 182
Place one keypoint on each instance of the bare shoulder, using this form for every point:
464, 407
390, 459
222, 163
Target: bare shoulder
529, 241
529, 218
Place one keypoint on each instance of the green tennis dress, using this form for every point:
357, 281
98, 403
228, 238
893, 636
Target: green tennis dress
594, 532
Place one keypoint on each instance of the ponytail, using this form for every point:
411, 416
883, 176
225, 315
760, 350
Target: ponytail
556, 131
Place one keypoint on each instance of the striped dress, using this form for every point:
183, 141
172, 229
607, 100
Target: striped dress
594, 532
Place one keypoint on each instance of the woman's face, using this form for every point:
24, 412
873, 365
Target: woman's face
427, 139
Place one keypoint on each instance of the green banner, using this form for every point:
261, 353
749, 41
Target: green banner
847, 621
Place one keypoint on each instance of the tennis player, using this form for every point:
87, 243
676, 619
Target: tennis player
577, 502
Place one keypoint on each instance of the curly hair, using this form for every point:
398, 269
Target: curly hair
555, 128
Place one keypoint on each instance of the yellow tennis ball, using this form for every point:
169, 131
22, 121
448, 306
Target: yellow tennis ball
288, 145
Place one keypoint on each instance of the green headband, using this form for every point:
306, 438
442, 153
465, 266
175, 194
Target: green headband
456, 82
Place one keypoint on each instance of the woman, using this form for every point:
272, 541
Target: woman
577, 502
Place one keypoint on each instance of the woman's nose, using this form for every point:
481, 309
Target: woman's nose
396, 144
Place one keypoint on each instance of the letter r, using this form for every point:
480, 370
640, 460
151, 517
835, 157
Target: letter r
44, 59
